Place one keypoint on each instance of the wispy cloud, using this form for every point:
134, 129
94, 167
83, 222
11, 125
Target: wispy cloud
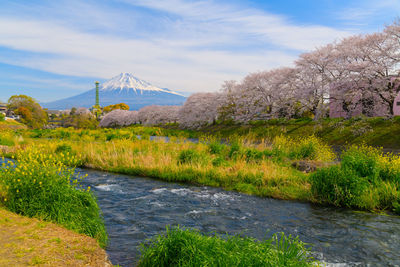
363, 12
183, 45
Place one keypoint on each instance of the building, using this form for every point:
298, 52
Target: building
3, 108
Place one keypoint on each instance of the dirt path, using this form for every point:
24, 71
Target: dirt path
31, 242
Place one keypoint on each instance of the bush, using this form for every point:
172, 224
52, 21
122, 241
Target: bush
216, 147
308, 148
189, 156
236, 151
111, 136
51, 192
338, 186
184, 247
2, 117
365, 179
363, 160
219, 161
64, 148
253, 155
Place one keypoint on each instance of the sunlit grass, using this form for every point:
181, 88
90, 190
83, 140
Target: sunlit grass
185, 247
246, 164
43, 185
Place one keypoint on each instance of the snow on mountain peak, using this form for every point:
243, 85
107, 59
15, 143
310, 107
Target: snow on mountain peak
126, 81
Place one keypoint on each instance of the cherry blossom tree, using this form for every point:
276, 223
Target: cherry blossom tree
155, 114
119, 118
199, 110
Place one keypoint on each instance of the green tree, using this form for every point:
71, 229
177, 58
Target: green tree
30, 111
121, 106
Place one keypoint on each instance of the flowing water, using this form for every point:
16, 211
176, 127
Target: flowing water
136, 209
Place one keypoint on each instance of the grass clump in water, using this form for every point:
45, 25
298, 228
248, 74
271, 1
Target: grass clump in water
186, 247
39, 185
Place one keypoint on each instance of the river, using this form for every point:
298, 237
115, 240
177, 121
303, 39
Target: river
136, 209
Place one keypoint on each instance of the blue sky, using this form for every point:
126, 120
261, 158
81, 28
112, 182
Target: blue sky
54, 49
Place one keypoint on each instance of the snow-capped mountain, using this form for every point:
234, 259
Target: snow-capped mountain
124, 88
126, 81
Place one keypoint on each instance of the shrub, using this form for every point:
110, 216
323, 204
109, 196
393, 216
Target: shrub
365, 179
235, 151
111, 136
51, 192
338, 186
363, 160
311, 148
219, 161
185, 247
253, 155
216, 147
189, 156
64, 148
36, 133
2, 117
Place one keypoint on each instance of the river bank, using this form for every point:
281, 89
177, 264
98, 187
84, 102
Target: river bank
301, 169
27, 241
137, 208
246, 167
377, 131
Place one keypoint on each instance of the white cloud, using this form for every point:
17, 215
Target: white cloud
361, 13
197, 46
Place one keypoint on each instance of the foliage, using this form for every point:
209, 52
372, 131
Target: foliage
311, 148
63, 148
189, 156
2, 117
30, 111
365, 179
121, 106
81, 119
185, 247
40, 185
216, 147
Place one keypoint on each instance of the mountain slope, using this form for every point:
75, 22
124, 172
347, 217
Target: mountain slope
124, 88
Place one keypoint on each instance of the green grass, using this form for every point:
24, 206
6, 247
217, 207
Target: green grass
264, 167
6, 141
379, 132
365, 179
186, 247
39, 185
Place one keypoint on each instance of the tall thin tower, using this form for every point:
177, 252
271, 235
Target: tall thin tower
97, 94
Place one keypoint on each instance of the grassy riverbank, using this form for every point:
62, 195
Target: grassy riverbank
378, 132
43, 186
29, 242
253, 166
263, 169
38, 184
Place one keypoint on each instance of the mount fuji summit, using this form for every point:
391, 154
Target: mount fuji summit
124, 88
